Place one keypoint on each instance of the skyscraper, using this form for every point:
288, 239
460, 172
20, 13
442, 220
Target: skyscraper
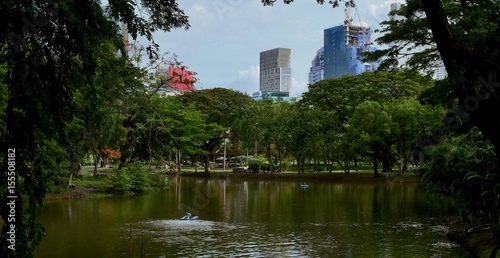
343, 48
275, 70
395, 7
317, 71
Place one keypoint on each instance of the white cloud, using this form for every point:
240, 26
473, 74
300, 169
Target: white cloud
247, 81
199, 8
298, 87
253, 71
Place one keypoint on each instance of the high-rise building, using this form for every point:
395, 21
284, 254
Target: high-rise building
343, 48
317, 71
392, 17
395, 7
275, 70
440, 71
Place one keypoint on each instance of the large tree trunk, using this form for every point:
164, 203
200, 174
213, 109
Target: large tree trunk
375, 167
473, 75
385, 156
206, 161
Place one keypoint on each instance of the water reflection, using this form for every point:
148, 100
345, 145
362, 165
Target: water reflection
253, 219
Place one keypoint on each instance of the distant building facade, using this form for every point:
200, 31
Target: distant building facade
394, 7
317, 71
343, 49
275, 78
275, 96
275, 70
440, 71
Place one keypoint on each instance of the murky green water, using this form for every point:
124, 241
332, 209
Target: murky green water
253, 219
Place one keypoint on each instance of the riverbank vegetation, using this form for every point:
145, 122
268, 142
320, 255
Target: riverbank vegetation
83, 98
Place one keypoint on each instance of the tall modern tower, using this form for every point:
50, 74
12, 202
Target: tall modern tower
275, 70
317, 72
343, 48
395, 7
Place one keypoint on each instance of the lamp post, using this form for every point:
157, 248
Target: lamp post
225, 138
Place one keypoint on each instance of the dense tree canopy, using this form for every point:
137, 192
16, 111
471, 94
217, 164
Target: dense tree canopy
223, 107
49, 50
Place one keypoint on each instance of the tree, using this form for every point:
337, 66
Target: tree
168, 127
224, 108
415, 122
339, 97
373, 132
49, 48
463, 35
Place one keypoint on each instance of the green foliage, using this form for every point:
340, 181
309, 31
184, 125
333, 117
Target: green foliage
465, 168
285, 164
224, 110
119, 181
140, 177
135, 177
266, 166
254, 165
52, 50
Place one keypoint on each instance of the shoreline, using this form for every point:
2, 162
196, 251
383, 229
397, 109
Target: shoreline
336, 177
479, 243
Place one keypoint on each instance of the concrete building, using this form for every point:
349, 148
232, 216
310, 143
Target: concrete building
275, 70
343, 48
317, 70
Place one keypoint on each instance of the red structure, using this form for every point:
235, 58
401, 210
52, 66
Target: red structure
181, 78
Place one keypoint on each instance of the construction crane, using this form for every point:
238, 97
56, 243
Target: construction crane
352, 31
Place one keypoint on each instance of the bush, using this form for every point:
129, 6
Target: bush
135, 177
254, 165
140, 179
119, 181
465, 169
266, 167
285, 165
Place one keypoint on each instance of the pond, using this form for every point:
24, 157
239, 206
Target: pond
253, 218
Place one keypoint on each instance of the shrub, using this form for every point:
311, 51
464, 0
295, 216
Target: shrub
285, 165
119, 181
465, 169
266, 166
254, 165
135, 177
140, 179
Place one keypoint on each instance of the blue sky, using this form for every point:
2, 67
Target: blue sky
226, 36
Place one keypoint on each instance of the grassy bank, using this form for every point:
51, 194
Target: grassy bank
109, 182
